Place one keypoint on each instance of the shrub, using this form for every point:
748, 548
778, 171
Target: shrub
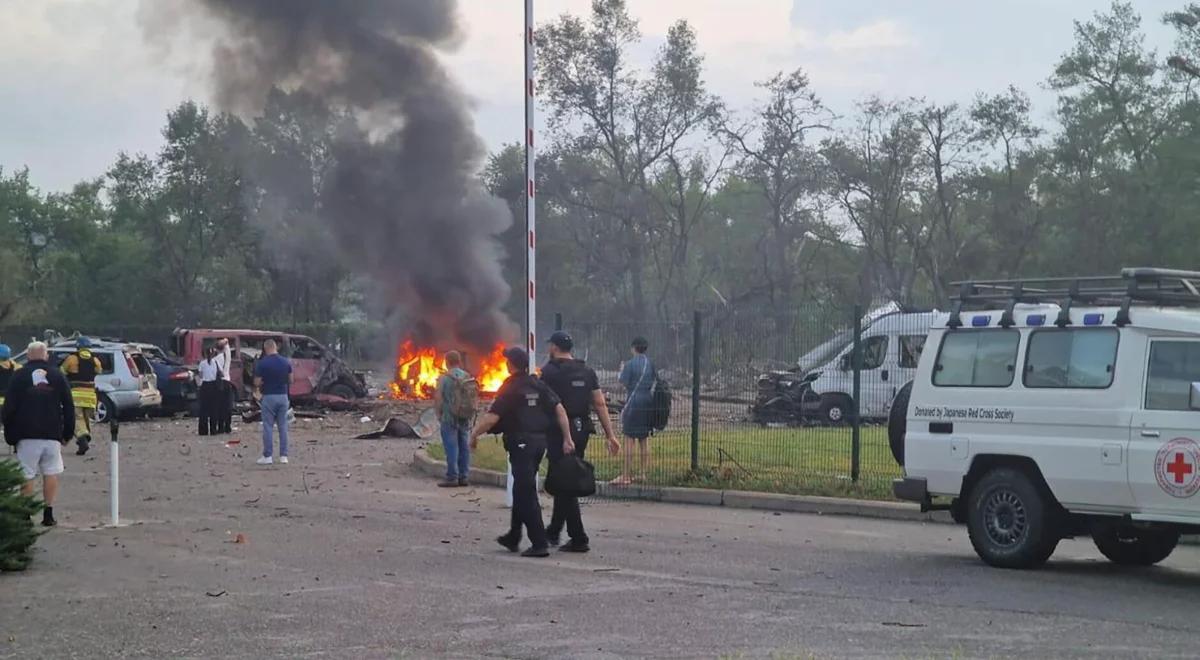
17, 533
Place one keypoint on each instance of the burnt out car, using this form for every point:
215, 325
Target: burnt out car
317, 369
784, 397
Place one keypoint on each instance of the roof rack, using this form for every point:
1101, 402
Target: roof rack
1157, 287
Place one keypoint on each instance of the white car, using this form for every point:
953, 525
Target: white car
1048, 409
126, 383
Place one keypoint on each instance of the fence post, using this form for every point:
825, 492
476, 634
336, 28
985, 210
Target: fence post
696, 392
558, 324
856, 422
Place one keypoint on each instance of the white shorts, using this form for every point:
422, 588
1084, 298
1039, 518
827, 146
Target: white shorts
40, 457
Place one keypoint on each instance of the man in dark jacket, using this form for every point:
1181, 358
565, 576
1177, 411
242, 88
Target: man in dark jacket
577, 387
39, 418
528, 412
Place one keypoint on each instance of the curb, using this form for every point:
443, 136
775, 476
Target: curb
734, 499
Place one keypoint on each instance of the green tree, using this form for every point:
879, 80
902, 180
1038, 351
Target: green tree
622, 142
17, 534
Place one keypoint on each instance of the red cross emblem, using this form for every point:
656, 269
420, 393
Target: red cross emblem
1179, 467
1175, 467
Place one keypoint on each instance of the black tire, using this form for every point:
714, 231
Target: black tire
1131, 546
836, 409
343, 390
898, 422
1011, 521
104, 409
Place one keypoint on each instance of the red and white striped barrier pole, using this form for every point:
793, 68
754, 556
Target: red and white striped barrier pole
530, 206
531, 188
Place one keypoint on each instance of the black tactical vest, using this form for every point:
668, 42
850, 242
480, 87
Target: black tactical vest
87, 368
6, 375
570, 381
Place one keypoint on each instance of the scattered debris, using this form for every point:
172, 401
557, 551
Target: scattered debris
334, 402
215, 594
394, 428
365, 419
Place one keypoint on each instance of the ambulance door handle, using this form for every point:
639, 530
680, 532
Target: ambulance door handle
1150, 434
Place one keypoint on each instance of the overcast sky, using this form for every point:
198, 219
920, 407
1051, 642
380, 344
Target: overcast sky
78, 84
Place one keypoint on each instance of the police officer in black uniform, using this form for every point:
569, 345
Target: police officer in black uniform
530, 416
579, 390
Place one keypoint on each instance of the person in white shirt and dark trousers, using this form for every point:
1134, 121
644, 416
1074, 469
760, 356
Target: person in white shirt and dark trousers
212, 393
224, 411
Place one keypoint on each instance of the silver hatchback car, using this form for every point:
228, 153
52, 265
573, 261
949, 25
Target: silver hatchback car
126, 382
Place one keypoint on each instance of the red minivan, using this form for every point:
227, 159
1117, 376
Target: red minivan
316, 369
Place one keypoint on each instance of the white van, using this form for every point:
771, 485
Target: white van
891, 348
1054, 408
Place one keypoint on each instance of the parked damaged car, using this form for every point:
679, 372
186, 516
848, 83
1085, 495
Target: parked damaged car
317, 370
820, 388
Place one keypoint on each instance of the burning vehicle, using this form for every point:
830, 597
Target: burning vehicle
419, 367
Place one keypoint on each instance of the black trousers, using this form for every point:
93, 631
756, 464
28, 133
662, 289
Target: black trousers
224, 413
566, 509
210, 404
526, 510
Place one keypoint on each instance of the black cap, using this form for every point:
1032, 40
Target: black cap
562, 340
518, 357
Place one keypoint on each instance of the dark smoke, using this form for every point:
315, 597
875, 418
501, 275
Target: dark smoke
403, 202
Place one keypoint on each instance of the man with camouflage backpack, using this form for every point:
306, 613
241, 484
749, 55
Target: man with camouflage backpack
455, 399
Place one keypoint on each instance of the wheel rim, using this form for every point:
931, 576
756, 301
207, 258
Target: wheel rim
101, 412
1005, 518
835, 414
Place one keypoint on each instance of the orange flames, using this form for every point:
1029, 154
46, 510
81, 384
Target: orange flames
418, 370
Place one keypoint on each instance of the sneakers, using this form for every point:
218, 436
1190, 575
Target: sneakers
265, 460
536, 552
283, 459
508, 543
83, 442
575, 546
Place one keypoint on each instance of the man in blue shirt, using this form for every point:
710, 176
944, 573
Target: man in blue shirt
272, 380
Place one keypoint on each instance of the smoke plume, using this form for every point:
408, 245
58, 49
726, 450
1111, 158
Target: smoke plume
403, 202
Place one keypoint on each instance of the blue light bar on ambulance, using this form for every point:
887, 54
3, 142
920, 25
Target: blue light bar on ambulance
1093, 319
1035, 320
981, 321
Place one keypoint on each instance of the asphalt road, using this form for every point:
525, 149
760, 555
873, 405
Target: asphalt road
347, 554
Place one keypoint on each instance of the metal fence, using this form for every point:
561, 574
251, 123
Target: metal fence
793, 403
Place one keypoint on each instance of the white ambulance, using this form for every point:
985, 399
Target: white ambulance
1048, 409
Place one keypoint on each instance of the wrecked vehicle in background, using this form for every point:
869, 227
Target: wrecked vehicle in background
820, 388
317, 370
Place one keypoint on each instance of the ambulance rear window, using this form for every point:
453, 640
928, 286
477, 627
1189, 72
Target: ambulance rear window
977, 358
1071, 359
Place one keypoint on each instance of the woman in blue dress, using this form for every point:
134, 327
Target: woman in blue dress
638, 377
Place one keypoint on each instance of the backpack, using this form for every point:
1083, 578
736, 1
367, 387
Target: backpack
464, 397
660, 404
